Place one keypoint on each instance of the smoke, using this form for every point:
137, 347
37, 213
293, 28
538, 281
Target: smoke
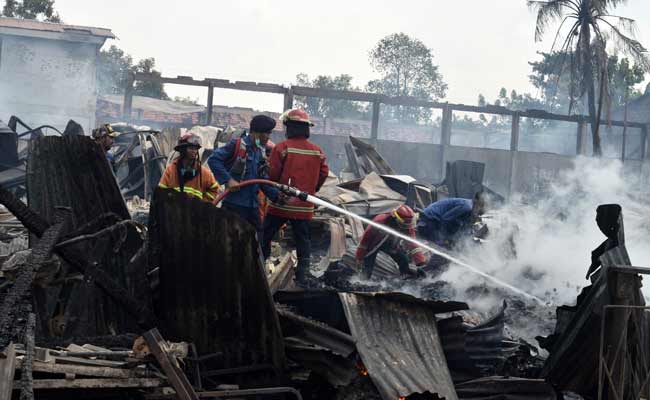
543, 246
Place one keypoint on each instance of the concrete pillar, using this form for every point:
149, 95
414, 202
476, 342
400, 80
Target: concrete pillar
581, 143
445, 138
514, 149
374, 127
288, 100
127, 105
208, 114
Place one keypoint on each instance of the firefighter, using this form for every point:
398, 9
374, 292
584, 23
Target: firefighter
444, 221
186, 174
243, 159
261, 197
299, 163
104, 135
375, 240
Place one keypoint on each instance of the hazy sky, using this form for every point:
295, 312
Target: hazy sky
479, 45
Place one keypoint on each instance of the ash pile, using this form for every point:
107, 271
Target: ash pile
167, 296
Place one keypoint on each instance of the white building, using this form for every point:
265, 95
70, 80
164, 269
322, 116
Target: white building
48, 72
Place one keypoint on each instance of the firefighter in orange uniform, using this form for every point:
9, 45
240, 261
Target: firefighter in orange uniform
186, 174
401, 219
299, 163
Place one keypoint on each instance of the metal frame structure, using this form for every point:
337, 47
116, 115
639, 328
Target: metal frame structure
608, 370
377, 100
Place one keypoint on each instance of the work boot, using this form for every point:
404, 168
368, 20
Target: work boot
302, 270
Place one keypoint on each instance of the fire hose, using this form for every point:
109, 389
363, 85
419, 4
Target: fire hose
288, 190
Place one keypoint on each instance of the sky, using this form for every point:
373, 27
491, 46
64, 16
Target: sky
480, 46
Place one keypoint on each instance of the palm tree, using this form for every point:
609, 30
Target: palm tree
592, 26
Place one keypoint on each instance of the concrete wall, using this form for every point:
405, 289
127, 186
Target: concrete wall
45, 81
530, 174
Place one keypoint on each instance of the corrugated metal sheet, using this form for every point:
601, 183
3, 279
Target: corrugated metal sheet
475, 351
214, 291
399, 345
506, 389
72, 171
34, 25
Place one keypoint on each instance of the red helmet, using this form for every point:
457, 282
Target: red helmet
404, 216
297, 115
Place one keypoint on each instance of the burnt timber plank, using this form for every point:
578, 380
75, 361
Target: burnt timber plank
178, 380
82, 370
27, 381
7, 370
138, 383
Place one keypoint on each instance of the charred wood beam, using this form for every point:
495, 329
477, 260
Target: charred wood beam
178, 380
7, 371
27, 381
16, 305
121, 225
37, 225
28, 217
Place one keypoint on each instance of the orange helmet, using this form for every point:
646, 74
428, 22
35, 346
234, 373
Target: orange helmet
404, 216
296, 115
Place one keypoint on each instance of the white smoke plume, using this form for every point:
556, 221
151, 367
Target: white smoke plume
553, 236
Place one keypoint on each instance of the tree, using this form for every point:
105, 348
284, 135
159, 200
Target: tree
42, 10
187, 100
329, 108
149, 88
113, 68
407, 69
592, 24
558, 96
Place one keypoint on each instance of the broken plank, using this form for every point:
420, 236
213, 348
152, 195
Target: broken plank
100, 372
176, 377
7, 370
95, 383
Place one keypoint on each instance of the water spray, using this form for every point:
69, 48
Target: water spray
291, 191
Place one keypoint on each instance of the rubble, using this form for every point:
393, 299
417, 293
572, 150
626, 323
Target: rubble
120, 277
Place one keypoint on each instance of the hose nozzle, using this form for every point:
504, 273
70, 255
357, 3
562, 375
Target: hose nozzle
292, 191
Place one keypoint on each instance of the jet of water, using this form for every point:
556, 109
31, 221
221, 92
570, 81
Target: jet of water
321, 202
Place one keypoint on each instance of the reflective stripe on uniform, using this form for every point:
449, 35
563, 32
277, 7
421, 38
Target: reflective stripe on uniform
189, 190
215, 185
303, 151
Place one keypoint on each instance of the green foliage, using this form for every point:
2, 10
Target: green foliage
113, 68
187, 100
593, 26
330, 108
407, 69
42, 10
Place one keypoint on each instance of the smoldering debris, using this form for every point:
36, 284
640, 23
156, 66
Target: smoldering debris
103, 285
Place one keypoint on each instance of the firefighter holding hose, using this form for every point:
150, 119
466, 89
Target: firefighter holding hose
298, 163
243, 159
401, 219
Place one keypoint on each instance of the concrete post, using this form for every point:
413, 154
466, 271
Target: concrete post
445, 138
127, 105
374, 127
288, 100
581, 143
208, 114
514, 149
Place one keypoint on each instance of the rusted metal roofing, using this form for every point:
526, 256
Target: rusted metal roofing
506, 389
33, 25
399, 345
214, 291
